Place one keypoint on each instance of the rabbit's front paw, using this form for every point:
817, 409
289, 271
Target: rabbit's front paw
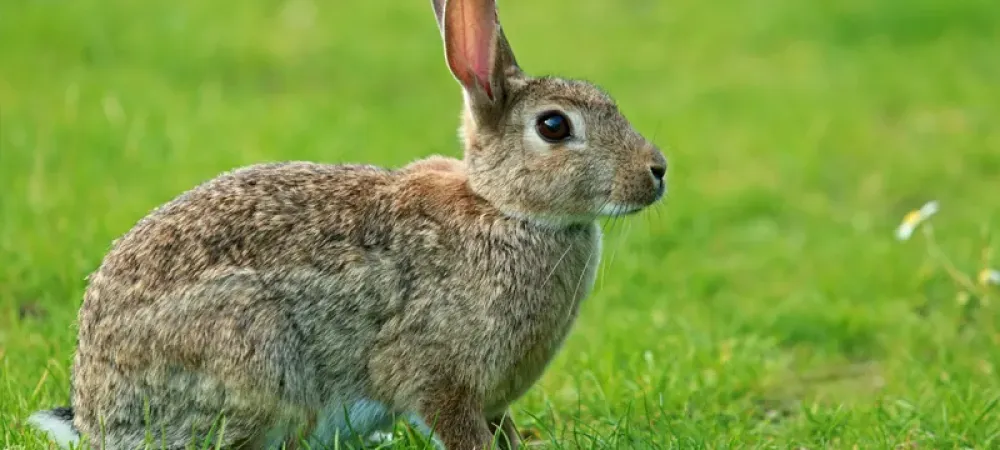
456, 418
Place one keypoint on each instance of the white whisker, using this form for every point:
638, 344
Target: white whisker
556, 266
583, 273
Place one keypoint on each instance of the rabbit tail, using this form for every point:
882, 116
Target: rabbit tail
58, 424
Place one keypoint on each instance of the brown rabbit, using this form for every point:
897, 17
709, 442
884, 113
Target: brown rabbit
323, 301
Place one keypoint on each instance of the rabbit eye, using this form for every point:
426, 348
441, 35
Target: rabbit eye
553, 126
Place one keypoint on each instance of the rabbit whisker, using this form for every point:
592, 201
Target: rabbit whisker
569, 247
616, 242
583, 273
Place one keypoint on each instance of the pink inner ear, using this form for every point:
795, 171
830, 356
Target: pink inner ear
482, 58
470, 31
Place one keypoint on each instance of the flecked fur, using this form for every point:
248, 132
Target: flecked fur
440, 290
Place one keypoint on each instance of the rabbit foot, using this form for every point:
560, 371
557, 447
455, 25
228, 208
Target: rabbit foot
456, 418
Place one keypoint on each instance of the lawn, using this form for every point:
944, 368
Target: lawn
765, 304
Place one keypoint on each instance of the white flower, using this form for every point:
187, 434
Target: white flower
989, 276
913, 219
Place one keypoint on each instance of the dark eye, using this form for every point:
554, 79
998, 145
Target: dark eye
553, 126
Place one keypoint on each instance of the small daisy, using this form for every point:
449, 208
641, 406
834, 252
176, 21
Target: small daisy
914, 218
989, 277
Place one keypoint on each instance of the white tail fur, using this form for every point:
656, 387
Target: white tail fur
58, 424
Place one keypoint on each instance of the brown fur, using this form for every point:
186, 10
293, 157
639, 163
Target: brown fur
441, 289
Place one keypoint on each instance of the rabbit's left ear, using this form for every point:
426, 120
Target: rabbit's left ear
477, 52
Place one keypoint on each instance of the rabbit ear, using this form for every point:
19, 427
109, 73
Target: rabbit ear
438, 6
477, 52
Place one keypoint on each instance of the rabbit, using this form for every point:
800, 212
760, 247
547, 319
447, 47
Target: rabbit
291, 302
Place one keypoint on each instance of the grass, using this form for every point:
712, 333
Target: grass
765, 305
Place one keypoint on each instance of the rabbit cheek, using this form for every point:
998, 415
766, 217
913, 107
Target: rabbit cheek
564, 183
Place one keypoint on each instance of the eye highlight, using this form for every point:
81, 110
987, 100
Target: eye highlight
553, 126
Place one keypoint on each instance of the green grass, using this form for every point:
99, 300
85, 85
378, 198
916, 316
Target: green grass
766, 304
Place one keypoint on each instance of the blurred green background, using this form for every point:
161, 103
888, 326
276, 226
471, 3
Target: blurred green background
765, 304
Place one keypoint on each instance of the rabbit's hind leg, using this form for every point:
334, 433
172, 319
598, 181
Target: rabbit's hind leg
187, 410
232, 435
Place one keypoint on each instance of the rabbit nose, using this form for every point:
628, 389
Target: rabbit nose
658, 171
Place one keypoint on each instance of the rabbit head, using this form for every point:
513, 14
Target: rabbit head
546, 149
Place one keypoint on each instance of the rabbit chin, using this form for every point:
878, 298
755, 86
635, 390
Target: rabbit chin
564, 220
619, 209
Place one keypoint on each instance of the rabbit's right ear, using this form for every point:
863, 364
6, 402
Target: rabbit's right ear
476, 49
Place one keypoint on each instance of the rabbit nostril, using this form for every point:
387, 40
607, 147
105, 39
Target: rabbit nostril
658, 172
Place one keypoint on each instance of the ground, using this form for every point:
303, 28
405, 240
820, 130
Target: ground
765, 304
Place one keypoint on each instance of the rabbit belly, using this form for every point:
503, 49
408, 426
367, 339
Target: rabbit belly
353, 423
349, 421
364, 421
